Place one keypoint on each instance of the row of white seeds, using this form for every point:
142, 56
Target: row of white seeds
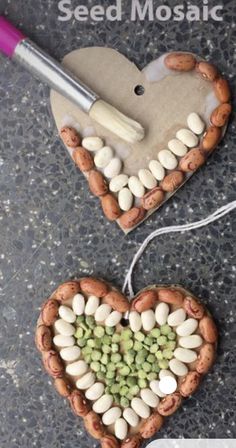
130, 187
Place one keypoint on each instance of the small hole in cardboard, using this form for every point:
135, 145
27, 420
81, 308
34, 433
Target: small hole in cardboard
139, 90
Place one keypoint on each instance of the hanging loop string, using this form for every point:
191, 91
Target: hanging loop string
218, 214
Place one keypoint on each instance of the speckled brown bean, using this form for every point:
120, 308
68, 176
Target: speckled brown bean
117, 301
92, 286
97, 183
151, 425
192, 161
70, 137
190, 384
110, 207
43, 338
109, 442
208, 330
220, 115
83, 159
205, 359
94, 425
144, 301
193, 308
172, 181
170, 404
208, 71
153, 198
132, 217
53, 364
211, 138
49, 312
63, 387
132, 442
183, 62
222, 90
66, 291
171, 296
79, 404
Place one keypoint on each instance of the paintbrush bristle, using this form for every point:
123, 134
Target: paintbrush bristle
109, 117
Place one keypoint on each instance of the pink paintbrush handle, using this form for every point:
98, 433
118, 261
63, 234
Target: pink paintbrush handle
9, 37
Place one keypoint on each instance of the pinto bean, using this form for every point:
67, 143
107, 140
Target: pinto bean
83, 159
49, 312
43, 338
117, 301
190, 384
151, 425
67, 291
94, 287
79, 403
63, 387
208, 329
53, 364
206, 358
70, 136
193, 308
94, 425
170, 296
170, 404
144, 301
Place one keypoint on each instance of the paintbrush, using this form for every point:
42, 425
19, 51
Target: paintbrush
17, 46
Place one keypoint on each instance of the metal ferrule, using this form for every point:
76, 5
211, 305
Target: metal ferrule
54, 74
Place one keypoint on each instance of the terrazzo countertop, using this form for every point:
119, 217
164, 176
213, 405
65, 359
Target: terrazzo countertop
48, 233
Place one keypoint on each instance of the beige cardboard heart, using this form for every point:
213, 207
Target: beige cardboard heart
68, 315
170, 95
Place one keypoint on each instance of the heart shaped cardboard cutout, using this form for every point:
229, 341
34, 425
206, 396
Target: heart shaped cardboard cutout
125, 366
173, 86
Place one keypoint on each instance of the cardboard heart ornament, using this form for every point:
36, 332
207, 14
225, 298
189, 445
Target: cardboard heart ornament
183, 104
125, 366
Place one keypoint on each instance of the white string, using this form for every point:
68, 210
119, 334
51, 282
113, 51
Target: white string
171, 229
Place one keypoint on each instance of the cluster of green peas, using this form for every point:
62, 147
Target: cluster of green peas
126, 362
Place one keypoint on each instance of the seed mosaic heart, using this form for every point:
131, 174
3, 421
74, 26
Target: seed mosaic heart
124, 366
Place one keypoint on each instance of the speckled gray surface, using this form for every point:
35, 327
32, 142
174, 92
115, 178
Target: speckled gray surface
48, 233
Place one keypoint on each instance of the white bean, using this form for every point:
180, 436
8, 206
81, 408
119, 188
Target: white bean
95, 391
185, 355
125, 199
118, 182
161, 313
187, 137
148, 320
67, 314
63, 341
113, 319
103, 157
157, 170
78, 304
167, 159
70, 354
187, 328
110, 417
131, 417
195, 123
121, 429
77, 368
103, 404
149, 398
177, 147
168, 385
64, 327
147, 179
102, 312
141, 408
135, 321
86, 381
92, 143
164, 372
156, 388
178, 367
91, 305
136, 187
176, 318
193, 341
113, 168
